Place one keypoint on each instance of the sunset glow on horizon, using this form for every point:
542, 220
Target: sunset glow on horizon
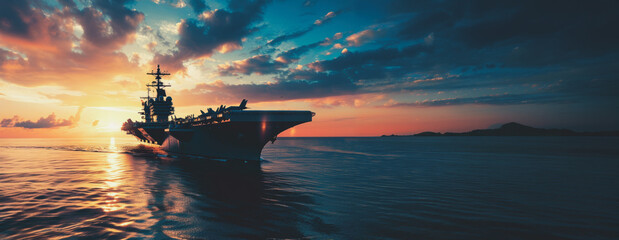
77, 68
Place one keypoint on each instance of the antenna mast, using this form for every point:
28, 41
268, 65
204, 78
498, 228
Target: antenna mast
158, 84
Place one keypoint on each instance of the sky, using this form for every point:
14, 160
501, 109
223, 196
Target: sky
76, 68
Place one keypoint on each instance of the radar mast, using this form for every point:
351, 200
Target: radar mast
158, 84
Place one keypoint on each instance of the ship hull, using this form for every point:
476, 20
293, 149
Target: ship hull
240, 136
230, 141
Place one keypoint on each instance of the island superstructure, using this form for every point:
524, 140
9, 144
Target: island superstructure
230, 133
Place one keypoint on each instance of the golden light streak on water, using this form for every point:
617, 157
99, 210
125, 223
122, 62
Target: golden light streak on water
113, 179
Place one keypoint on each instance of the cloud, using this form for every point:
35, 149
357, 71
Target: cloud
351, 73
544, 32
475, 45
376, 60
45, 45
358, 100
264, 64
151, 45
44, 122
198, 6
155, 35
217, 30
282, 38
470, 45
298, 84
28, 26
384, 70
337, 36
362, 37
259, 64
294, 54
179, 4
499, 99
10, 59
325, 18
413, 68
113, 33
286, 37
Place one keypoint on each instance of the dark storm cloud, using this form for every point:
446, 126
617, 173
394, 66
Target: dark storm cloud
198, 6
44, 122
220, 30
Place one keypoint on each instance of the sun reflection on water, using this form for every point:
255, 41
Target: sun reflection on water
113, 179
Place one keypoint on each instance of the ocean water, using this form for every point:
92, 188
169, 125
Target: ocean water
315, 188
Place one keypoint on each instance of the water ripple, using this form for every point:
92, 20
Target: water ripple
323, 188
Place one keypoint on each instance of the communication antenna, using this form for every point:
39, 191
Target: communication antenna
158, 84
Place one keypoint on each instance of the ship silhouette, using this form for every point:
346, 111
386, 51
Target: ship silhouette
228, 133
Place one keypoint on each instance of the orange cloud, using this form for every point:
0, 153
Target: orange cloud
43, 122
337, 36
325, 18
358, 100
78, 49
362, 37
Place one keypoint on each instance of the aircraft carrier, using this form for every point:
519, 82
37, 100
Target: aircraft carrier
227, 133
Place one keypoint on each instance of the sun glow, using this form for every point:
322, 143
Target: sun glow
110, 127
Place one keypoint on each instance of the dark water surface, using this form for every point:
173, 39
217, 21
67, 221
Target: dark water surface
319, 188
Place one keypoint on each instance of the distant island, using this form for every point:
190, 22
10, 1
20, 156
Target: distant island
513, 129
